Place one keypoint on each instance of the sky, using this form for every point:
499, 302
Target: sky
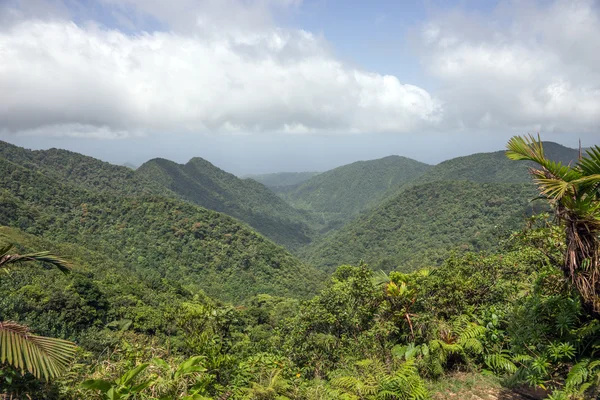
296, 85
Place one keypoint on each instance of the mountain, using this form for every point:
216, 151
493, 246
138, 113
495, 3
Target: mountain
341, 193
422, 224
154, 236
81, 171
493, 167
200, 182
460, 203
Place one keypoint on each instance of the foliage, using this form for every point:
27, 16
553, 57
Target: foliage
122, 388
491, 167
43, 357
202, 183
155, 237
341, 193
421, 225
574, 194
142, 262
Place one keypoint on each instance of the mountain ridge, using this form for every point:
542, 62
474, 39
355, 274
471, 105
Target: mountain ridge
204, 184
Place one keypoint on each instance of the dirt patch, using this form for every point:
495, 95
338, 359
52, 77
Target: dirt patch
471, 386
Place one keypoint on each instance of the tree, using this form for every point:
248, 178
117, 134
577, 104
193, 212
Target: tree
574, 194
43, 357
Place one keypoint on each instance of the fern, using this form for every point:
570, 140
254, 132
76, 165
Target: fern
500, 362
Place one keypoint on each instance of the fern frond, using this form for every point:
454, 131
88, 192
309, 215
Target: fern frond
500, 362
578, 374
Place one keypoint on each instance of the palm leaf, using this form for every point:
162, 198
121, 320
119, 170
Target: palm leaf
590, 164
43, 257
530, 149
555, 188
43, 357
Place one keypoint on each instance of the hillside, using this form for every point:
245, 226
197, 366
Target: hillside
421, 225
200, 182
134, 301
81, 171
281, 180
153, 236
492, 167
341, 193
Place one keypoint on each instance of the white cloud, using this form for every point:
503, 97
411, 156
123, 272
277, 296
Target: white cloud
223, 66
65, 75
524, 67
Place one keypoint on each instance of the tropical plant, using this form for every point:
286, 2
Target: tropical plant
121, 388
574, 194
183, 378
371, 379
43, 357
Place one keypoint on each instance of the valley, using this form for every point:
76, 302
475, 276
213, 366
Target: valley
385, 274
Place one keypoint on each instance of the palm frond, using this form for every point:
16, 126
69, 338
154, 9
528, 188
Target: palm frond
43, 357
525, 148
590, 164
555, 189
531, 149
43, 257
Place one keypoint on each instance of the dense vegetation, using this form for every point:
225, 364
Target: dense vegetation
204, 184
364, 336
341, 193
492, 167
463, 204
424, 223
81, 171
167, 300
154, 236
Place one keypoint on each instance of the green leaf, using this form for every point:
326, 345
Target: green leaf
43, 357
130, 375
97, 384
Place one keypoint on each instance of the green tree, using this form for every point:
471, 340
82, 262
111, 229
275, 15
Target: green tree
43, 357
574, 194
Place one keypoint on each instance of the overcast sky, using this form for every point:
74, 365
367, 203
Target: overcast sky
292, 85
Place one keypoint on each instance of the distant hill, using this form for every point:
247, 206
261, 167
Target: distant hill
281, 180
81, 171
343, 192
204, 184
493, 167
152, 236
423, 223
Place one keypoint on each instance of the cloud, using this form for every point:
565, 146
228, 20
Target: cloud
207, 15
527, 66
224, 66
78, 77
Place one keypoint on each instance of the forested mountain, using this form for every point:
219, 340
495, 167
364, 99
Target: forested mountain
341, 193
202, 183
167, 299
81, 171
463, 203
282, 180
492, 167
155, 236
422, 224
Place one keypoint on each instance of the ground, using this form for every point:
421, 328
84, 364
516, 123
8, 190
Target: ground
472, 386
